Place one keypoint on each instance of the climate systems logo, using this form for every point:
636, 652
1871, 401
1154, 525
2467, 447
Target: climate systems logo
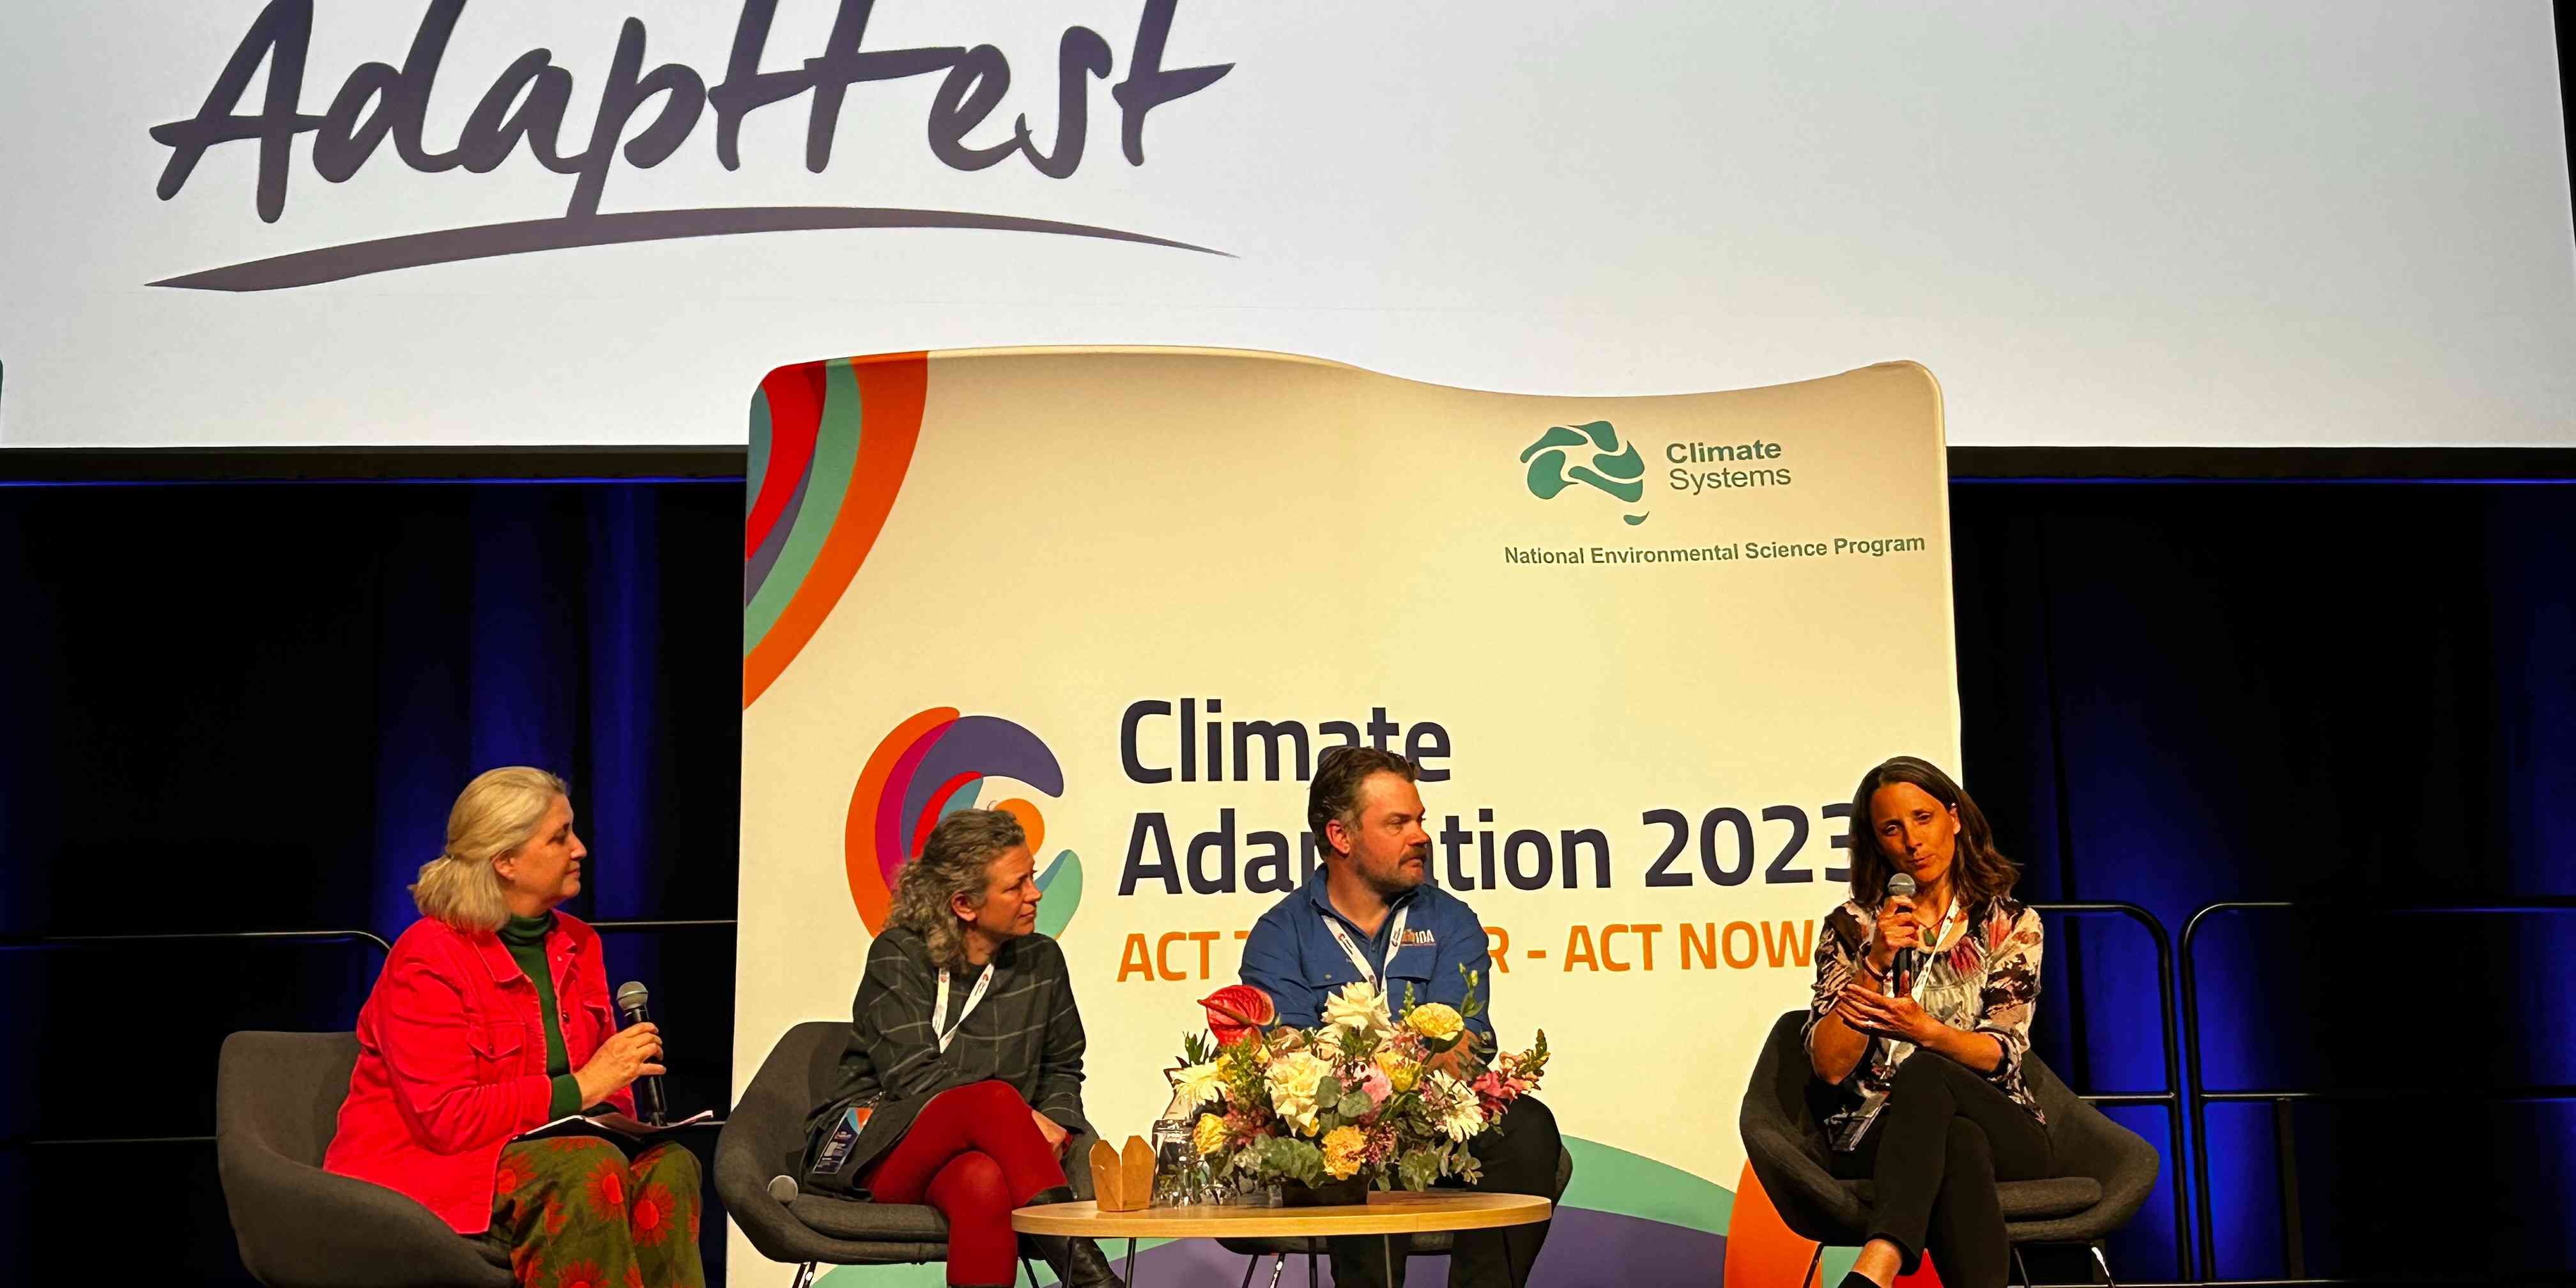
1615, 469
937, 762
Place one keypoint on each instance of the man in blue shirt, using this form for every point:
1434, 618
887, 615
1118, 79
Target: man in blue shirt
1371, 913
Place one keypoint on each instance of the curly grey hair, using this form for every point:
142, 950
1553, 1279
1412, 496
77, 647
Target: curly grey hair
956, 860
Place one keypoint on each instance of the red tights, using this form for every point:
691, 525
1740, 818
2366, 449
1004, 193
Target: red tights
974, 1153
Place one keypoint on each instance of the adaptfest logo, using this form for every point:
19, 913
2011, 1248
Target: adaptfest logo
937, 762
1615, 468
642, 119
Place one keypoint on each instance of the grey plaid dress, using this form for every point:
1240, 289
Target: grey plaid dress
1026, 1032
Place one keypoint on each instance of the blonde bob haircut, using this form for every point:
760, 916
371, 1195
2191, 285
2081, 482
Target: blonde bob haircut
496, 813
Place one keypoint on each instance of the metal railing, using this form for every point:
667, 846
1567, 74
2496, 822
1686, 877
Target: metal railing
8, 942
382, 947
42, 943
2282, 1099
703, 923
2170, 1099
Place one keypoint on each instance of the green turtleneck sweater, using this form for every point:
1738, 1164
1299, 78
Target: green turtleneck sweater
526, 939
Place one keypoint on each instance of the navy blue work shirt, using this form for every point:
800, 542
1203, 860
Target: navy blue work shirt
1293, 958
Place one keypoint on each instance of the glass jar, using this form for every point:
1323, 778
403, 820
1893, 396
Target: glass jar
1179, 1178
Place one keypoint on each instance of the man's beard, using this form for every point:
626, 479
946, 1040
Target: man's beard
1393, 881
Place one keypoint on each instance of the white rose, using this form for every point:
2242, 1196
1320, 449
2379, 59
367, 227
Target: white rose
1293, 1078
1359, 1007
1201, 1082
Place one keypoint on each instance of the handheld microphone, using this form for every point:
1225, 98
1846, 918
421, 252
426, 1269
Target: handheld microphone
631, 997
1899, 886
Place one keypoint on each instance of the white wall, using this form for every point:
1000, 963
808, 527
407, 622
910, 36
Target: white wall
2287, 223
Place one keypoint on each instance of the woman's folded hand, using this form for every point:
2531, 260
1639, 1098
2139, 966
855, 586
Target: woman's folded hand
1056, 1135
1900, 1018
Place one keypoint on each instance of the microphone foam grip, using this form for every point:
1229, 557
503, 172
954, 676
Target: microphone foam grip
1901, 886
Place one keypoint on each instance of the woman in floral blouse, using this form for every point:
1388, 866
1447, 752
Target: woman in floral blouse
1926, 1067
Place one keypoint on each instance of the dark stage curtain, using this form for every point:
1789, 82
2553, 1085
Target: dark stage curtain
2179, 694
239, 707
249, 706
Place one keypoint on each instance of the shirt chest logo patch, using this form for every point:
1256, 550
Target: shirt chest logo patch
1415, 939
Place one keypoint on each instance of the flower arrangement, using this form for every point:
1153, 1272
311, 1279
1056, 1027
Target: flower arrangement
1390, 1097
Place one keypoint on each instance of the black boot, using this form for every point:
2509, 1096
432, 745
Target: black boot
1078, 1263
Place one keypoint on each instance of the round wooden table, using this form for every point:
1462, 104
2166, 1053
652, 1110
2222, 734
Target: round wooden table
1387, 1214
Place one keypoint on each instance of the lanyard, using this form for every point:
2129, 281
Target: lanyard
939, 1005
1923, 978
1394, 941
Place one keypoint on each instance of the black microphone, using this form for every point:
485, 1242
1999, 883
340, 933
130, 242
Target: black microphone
1899, 886
631, 997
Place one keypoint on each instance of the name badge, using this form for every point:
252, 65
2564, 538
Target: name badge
845, 1137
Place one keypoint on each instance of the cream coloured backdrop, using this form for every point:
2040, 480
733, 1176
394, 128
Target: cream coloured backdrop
1679, 702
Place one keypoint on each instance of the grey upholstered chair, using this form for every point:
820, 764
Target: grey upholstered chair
813, 1229
2106, 1169
277, 1103
1435, 1244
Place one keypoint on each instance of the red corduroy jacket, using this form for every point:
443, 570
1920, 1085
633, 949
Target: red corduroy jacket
452, 1062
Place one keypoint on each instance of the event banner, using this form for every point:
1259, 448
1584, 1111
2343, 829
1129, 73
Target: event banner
1641, 648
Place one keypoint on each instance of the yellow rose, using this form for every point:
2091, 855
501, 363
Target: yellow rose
1400, 1072
1434, 1021
1343, 1147
1209, 1135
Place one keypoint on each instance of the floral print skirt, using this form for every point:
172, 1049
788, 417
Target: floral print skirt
577, 1214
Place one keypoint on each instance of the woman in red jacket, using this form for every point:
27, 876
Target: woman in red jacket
492, 1018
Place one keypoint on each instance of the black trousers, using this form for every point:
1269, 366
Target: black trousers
1518, 1158
1942, 1140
